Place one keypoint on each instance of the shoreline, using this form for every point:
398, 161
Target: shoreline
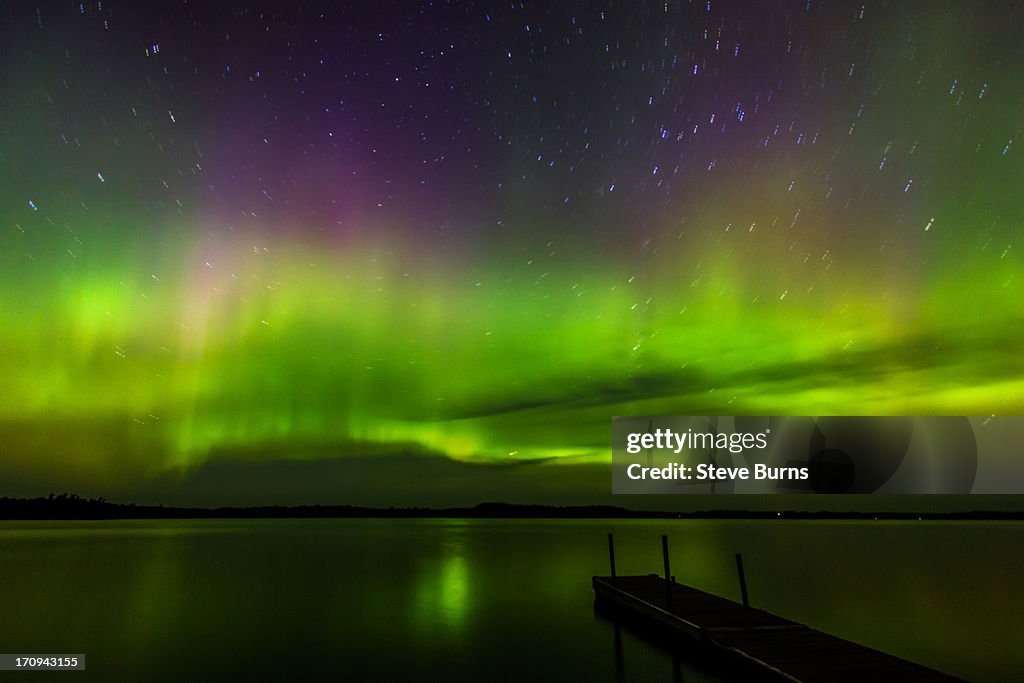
72, 507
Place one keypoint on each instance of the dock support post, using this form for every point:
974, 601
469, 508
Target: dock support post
620, 659
611, 556
743, 580
668, 573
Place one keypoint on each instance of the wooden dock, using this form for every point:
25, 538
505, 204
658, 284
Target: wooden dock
752, 640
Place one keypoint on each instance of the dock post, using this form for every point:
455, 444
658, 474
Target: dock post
668, 573
620, 659
743, 580
611, 557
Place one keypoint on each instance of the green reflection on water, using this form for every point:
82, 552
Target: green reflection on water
392, 599
443, 590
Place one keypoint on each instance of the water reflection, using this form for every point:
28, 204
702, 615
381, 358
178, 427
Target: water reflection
159, 574
443, 585
404, 600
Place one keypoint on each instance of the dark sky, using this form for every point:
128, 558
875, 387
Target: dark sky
421, 253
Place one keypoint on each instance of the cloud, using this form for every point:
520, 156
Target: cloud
957, 357
360, 474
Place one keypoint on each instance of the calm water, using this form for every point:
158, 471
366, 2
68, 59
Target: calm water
474, 600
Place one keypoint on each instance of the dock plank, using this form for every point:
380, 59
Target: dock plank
778, 647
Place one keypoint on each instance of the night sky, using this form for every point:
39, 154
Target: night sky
421, 253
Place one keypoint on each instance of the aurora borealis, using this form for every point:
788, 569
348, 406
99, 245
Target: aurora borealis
469, 234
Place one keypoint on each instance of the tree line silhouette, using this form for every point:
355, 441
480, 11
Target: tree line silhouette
69, 506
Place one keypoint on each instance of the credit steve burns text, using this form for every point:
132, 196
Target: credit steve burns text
706, 472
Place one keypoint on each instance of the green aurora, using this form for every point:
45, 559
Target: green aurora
127, 369
201, 264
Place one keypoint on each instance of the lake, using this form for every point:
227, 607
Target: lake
473, 600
